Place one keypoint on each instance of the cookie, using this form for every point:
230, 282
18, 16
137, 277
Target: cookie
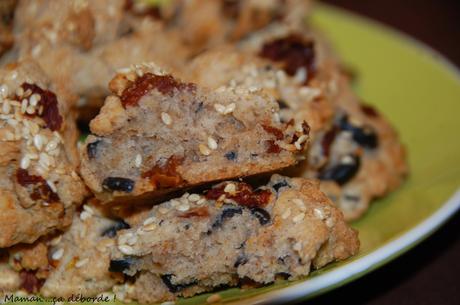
39, 188
198, 242
156, 134
80, 259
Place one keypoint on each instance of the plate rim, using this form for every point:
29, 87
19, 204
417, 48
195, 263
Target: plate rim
395, 247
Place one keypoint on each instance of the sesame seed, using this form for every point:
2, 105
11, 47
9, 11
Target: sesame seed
81, 263
125, 249
132, 240
174, 202
4, 90
6, 108
300, 141
88, 209
201, 201
300, 75
286, 214
51, 145
330, 222
194, 197
230, 188
230, 108
34, 99
24, 106
166, 118
57, 255
214, 298
85, 215
25, 162
168, 303
297, 246
347, 160
212, 144
298, 217
138, 160
183, 207
30, 110
220, 108
204, 150
149, 220
51, 185
38, 141
163, 210
318, 213
149, 227
55, 241
19, 91
300, 204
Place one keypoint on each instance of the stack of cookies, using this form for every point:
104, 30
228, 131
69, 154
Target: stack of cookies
162, 151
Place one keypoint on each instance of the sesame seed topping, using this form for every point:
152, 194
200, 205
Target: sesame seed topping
230, 108
25, 162
297, 246
4, 90
300, 204
201, 201
204, 150
38, 141
318, 213
347, 160
300, 141
330, 222
212, 144
166, 118
57, 255
230, 188
183, 207
163, 210
286, 214
81, 263
138, 160
298, 217
85, 215
220, 108
55, 241
194, 197
132, 240
149, 220
168, 303
149, 227
125, 249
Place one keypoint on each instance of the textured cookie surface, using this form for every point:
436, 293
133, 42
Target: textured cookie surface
197, 242
39, 188
157, 133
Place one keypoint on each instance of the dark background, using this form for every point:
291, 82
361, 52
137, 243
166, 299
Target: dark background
430, 273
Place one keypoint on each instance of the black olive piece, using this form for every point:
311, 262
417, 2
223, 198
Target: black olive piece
241, 260
120, 265
284, 275
364, 136
231, 155
112, 230
262, 215
282, 104
91, 149
341, 173
118, 184
166, 278
226, 214
279, 185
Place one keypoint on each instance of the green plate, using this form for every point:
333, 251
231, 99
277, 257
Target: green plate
419, 92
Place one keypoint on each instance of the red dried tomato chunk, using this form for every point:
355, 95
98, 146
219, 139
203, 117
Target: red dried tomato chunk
48, 101
278, 133
147, 82
41, 190
30, 282
245, 195
294, 52
165, 175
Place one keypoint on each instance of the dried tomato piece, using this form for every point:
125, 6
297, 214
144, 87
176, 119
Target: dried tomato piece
166, 84
278, 133
30, 282
294, 52
272, 147
48, 101
369, 110
41, 190
245, 195
165, 175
